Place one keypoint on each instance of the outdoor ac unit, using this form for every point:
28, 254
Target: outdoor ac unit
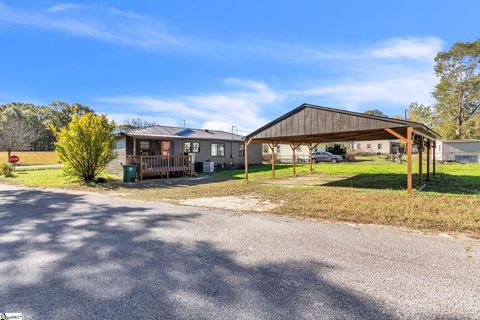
208, 166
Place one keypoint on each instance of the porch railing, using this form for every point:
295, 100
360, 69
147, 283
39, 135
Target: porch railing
149, 166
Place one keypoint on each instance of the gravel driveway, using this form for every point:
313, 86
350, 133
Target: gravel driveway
87, 256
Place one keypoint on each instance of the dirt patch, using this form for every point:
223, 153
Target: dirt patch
305, 181
245, 203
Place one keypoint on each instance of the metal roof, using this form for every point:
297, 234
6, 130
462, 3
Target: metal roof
180, 133
310, 122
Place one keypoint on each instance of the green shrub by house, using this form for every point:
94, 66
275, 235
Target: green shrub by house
85, 146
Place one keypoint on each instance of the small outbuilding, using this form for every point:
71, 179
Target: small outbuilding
465, 151
311, 124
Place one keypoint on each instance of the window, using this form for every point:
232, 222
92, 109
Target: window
191, 147
187, 147
278, 149
195, 147
369, 146
380, 146
241, 150
217, 150
359, 146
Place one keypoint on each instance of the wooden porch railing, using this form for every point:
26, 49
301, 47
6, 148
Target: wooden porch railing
149, 166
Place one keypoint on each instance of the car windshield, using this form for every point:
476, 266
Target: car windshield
328, 153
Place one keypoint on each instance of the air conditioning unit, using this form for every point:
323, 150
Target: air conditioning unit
208, 166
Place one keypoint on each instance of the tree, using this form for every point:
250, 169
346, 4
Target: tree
458, 92
85, 145
375, 112
422, 114
19, 128
61, 113
137, 123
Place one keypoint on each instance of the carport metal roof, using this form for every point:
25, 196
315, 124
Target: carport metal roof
311, 124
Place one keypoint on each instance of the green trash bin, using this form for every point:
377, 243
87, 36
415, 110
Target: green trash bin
129, 172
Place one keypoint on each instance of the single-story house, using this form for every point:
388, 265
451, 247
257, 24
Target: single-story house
458, 150
376, 146
165, 150
283, 152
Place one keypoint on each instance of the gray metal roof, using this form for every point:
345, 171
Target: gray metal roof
180, 133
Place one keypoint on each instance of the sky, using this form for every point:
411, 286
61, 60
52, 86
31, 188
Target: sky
218, 64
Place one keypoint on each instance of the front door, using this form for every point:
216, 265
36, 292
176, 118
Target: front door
165, 148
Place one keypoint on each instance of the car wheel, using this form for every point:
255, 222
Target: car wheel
334, 160
314, 160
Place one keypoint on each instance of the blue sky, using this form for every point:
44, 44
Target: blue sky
216, 64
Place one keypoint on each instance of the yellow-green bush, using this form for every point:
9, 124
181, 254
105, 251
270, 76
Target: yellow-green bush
5, 169
85, 146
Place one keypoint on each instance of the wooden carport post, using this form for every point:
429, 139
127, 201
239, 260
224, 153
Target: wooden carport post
428, 159
420, 161
409, 159
294, 158
433, 156
310, 149
247, 142
272, 147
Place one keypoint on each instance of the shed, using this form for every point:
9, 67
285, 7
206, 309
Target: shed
466, 151
311, 124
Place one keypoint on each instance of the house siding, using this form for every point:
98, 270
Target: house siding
120, 151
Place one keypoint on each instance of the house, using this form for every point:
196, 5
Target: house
283, 152
376, 146
458, 150
165, 150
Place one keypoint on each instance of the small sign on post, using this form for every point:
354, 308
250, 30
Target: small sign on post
13, 159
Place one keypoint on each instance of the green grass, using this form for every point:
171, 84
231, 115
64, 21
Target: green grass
370, 190
46, 178
374, 173
28, 158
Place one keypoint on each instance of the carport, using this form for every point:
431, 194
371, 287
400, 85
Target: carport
310, 125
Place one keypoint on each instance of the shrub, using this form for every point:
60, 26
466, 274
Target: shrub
6, 170
85, 146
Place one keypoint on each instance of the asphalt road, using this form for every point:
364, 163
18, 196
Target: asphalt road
87, 256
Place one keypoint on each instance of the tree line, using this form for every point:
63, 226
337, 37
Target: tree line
26, 126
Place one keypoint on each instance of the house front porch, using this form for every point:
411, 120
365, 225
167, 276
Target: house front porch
161, 166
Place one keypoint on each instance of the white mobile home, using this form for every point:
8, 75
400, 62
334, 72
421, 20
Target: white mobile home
458, 150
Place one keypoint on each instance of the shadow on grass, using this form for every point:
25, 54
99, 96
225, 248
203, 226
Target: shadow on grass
441, 182
65, 256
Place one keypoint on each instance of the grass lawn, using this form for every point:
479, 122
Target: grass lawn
32, 157
370, 190
48, 178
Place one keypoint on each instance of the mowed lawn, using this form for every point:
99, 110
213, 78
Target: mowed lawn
370, 190
29, 158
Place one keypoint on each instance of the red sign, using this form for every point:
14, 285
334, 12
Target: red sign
14, 159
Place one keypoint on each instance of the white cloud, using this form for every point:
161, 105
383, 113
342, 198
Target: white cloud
388, 76
59, 7
107, 24
412, 48
222, 110
383, 91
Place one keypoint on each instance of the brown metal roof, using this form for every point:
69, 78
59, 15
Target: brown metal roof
312, 123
